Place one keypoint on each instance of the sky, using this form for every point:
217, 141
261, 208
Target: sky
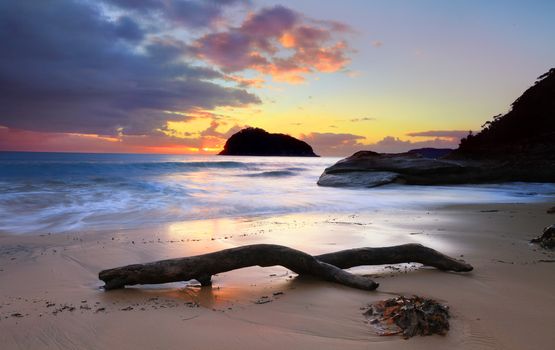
181, 76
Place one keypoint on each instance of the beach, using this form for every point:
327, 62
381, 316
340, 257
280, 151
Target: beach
216, 174
50, 295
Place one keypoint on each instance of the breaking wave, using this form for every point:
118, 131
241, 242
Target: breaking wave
57, 192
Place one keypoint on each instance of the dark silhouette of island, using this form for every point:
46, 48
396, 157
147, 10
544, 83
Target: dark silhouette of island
258, 142
516, 146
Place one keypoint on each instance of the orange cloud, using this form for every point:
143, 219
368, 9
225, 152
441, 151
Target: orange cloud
257, 82
278, 42
327, 60
205, 141
287, 40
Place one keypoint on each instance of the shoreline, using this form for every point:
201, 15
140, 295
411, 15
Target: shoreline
509, 293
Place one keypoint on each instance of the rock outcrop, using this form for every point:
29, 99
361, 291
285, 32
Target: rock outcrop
517, 146
433, 153
370, 169
258, 142
547, 239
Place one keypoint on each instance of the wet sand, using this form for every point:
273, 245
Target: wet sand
50, 296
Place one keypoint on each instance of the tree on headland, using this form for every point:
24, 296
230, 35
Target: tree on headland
528, 127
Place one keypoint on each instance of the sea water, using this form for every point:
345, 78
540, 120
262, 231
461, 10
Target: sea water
62, 192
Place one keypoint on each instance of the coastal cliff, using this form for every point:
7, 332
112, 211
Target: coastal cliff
527, 130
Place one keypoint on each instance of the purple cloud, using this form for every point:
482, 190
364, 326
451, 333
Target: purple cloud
66, 67
342, 145
455, 134
195, 14
279, 42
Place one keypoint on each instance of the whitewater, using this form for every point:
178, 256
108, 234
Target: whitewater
63, 192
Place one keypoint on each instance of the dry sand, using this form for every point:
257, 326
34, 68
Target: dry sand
50, 296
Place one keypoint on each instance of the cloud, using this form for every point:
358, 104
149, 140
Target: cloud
343, 145
279, 42
269, 22
363, 119
24, 140
67, 67
256, 82
209, 140
448, 134
117, 72
212, 131
193, 14
332, 144
390, 144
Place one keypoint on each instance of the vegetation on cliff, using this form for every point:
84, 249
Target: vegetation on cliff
528, 129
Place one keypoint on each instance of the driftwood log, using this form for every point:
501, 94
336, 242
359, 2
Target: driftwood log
405, 253
328, 267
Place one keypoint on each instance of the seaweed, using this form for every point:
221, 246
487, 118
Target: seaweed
408, 317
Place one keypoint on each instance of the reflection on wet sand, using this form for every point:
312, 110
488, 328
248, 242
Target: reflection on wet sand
53, 281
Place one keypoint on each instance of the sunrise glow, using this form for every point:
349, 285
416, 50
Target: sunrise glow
339, 76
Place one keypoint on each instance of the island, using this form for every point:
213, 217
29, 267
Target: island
258, 142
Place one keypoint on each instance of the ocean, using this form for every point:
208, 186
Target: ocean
64, 192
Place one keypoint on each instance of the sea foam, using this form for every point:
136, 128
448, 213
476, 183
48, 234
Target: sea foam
57, 192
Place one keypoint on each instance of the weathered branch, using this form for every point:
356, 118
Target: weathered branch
326, 266
202, 267
394, 255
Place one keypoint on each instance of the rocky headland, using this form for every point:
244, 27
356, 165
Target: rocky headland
517, 146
